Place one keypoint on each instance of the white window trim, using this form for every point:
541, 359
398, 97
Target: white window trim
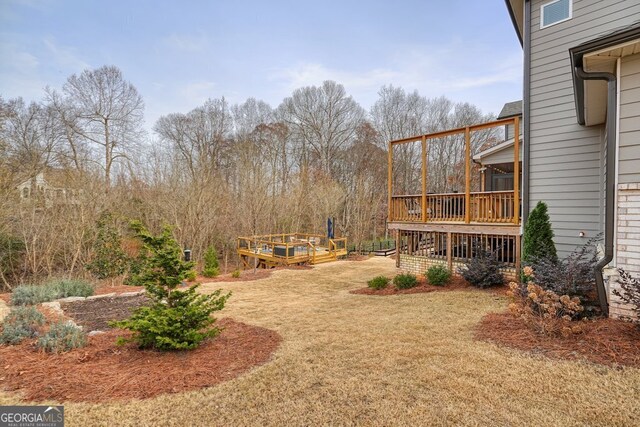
557, 22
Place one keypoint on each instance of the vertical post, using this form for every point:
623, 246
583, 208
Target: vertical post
424, 178
398, 248
449, 252
467, 175
518, 255
516, 170
390, 179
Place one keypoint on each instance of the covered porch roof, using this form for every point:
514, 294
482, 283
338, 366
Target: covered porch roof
600, 55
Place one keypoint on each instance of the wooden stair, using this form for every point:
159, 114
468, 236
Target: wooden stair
319, 259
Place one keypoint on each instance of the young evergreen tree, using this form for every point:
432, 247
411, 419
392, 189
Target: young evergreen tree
176, 319
109, 260
211, 266
538, 236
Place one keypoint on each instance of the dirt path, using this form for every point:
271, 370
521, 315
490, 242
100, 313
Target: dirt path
352, 359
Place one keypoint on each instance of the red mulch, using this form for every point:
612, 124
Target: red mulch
104, 372
248, 275
457, 283
604, 341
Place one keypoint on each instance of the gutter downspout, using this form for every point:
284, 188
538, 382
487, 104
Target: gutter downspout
526, 114
609, 210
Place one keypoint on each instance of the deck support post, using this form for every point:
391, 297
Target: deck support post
467, 175
516, 170
424, 178
390, 181
398, 248
518, 255
449, 254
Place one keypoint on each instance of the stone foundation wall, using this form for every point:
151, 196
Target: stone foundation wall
627, 244
418, 265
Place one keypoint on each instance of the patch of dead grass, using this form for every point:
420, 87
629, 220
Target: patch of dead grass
402, 360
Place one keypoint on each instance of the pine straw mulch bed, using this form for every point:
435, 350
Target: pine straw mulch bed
248, 275
104, 372
605, 341
457, 283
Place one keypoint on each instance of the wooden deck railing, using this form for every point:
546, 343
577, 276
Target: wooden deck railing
406, 208
292, 248
467, 206
494, 206
445, 207
485, 207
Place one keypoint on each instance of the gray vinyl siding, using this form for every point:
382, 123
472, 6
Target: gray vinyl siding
566, 159
502, 156
629, 162
509, 130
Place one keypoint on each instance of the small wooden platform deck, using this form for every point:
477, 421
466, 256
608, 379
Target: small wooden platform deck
274, 250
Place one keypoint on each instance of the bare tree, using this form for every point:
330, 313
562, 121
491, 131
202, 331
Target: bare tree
199, 138
105, 112
324, 121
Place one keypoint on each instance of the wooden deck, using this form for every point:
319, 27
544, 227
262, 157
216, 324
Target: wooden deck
274, 250
452, 227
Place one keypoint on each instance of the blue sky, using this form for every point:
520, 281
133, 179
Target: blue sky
179, 53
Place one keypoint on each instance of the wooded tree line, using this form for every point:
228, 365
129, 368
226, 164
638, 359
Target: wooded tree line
216, 172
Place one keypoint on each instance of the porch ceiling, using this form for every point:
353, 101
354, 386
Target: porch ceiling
595, 91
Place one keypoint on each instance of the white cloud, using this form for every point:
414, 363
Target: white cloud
19, 74
65, 56
186, 42
196, 93
448, 70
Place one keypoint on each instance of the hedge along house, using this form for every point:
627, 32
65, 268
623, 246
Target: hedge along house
446, 205
581, 133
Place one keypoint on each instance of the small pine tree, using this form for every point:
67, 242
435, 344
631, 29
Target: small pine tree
109, 260
211, 266
175, 319
538, 236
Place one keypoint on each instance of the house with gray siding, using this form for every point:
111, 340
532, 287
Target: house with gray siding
581, 126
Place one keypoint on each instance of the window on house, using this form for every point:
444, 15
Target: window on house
555, 12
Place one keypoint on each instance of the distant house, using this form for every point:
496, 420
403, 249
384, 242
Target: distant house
496, 162
48, 188
581, 134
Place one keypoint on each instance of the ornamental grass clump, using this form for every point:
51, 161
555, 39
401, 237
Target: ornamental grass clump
379, 282
175, 319
405, 281
438, 275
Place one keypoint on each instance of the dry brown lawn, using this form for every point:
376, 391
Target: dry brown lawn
352, 359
